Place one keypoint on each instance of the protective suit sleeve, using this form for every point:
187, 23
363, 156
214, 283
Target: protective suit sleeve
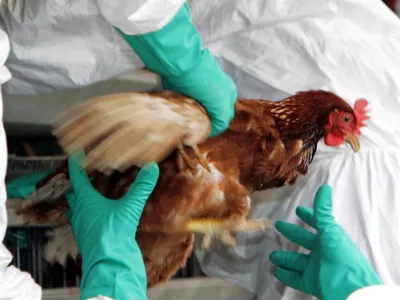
375, 292
14, 284
175, 53
139, 16
18, 285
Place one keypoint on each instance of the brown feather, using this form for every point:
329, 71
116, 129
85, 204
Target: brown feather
151, 125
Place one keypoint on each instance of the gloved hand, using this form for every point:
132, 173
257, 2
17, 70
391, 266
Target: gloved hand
112, 264
175, 53
22, 186
335, 267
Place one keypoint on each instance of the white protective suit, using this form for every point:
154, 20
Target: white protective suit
271, 48
14, 284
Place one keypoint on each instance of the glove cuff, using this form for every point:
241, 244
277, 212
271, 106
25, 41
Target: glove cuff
172, 50
124, 285
114, 272
175, 53
352, 282
206, 74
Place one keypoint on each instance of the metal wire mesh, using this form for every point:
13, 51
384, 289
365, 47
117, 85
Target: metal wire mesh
26, 245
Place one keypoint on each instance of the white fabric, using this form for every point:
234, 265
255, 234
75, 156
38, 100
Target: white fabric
275, 48
140, 16
271, 49
381, 292
14, 284
60, 45
67, 44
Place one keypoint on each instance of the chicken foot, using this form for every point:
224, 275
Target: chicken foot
223, 229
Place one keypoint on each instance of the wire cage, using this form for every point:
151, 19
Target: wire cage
26, 246
26, 243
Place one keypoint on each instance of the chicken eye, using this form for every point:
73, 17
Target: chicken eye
346, 119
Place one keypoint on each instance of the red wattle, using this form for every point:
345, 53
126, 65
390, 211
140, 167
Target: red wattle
332, 139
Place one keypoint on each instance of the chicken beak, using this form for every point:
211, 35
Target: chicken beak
353, 140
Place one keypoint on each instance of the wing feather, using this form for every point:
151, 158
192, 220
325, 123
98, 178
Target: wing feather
118, 131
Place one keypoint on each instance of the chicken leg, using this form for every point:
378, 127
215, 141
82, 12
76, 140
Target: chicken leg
223, 229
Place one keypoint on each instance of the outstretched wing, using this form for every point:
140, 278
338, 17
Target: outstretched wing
118, 131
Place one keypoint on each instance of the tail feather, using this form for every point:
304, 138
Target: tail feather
61, 245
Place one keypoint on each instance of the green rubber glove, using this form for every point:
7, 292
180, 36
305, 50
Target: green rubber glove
175, 53
335, 267
112, 264
22, 186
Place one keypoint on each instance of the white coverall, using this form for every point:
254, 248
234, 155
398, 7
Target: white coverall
132, 17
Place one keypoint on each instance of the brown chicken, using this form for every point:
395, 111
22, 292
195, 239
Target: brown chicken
205, 183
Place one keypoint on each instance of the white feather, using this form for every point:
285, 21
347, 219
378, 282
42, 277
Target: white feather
61, 244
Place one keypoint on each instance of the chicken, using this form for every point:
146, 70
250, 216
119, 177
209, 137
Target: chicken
205, 182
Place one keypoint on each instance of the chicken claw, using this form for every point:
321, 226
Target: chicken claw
223, 229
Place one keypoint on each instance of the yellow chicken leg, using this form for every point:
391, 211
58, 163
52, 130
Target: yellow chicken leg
222, 229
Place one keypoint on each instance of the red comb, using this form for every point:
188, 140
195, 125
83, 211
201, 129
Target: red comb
361, 113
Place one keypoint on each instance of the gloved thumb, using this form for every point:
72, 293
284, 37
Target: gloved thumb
218, 125
323, 208
290, 278
79, 178
142, 188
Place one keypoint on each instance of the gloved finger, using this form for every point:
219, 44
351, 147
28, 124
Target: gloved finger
79, 179
142, 188
290, 278
307, 215
221, 112
289, 260
296, 234
219, 125
323, 208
